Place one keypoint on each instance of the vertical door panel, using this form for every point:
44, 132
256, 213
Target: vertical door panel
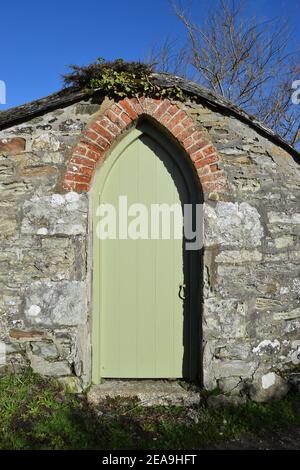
141, 329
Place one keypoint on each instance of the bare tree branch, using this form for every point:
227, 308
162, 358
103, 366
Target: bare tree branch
240, 58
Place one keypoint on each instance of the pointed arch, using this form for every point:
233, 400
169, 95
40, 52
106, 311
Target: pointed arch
106, 128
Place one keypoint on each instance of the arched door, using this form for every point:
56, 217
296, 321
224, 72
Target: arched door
141, 320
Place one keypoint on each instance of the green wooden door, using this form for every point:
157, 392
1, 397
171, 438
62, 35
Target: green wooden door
138, 313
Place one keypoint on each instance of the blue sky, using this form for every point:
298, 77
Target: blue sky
39, 39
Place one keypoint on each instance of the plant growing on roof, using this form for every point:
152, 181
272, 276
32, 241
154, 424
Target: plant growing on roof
119, 79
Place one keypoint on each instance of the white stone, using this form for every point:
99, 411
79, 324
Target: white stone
57, 200
267, 386
268, 380
42, 231
72, 197
61, 218
34, 310
284, 242
284, 290
232, 224
283, 218
63, 303
266, 346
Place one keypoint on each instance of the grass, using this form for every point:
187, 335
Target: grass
36, 414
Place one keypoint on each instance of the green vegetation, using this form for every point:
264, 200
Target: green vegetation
36, 414
119, 79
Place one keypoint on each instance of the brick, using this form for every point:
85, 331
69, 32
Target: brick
177, 129
188, 121
206, 161
91, 155
76, 177
126, 119
179, 117
82, 170
91, 135
81, 150
198, 139
116, 109
196, 155
136, 106
115, 119
92, 146
194, 148
151, 105
26, 335
102, 132
214, 167
173, 110
164, 106
76, 186
187, 132
208, 150
203, 171
83, 161
109, 125
165, 119
81, 187
128, 109
212, 177
188, 142
103, 144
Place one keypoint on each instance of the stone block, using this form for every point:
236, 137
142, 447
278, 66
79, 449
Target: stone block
46, 142
224, 318
233, 368
239, 256
46, 350
284, 241
52, 369
12, 146
232, 224
55, 215
283, 218
268, 386
56, 303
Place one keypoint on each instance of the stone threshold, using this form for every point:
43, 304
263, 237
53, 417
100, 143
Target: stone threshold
148, 392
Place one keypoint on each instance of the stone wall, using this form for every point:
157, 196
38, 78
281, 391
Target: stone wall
251, 300
251, 321
43, 259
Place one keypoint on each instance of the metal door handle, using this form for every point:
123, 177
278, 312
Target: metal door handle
182, 291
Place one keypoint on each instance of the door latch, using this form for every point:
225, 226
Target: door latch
182, 291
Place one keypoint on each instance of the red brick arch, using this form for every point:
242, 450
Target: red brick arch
107, 127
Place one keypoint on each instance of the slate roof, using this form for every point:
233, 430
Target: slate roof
67, 96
